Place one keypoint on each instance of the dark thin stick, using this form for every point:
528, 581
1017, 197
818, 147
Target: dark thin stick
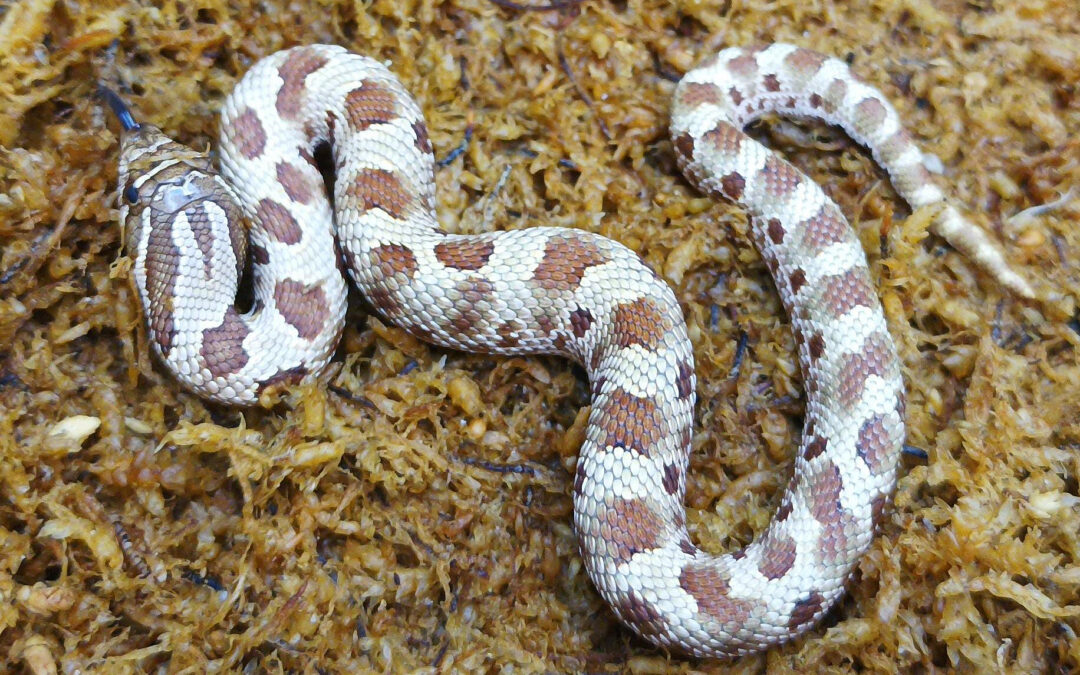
196, 578
456, 152
119, 108
666, 73
995, 332
349, 396
1059, 246
782, 403
555, 4
499, 468
10, 272
1074, 324
583, 94
912, 451
441, 655
464, 79
740, 354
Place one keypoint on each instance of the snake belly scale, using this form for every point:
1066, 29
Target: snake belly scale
550, 290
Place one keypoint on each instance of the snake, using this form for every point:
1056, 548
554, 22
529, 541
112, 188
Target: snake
545, 290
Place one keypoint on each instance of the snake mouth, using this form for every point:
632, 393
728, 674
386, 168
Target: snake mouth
119, 108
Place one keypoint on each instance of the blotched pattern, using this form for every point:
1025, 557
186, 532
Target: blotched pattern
548, 290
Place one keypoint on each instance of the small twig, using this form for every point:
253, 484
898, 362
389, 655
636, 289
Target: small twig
1074, 324
1059, 246
489, 201
15, 268
442, 654
499, 468
665, 73
351, 397
995, 331
553, 5
740, 354
464, 78
456, 152
582, 93
196, 578
912, 451
782, 403
1039, 209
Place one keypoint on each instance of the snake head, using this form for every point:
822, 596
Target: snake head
157, 176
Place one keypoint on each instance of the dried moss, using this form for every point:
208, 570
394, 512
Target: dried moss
412, 512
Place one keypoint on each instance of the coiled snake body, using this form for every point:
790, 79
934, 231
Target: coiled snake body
549, 290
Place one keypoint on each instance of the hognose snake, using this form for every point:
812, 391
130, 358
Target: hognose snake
550, 290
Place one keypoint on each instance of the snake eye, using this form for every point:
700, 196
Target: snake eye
131, 193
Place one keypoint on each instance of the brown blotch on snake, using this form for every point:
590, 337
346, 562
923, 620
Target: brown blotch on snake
474, 295
779, 557
423, 143
724, 138
779, 178
278, 221
834, 96
806, 610
248, 134
874, 443
871, 110
223, 346
581, 320
826, 228
464, 254
296, 182
634, 423
776, 231
875, 359
162, 269
797, 279
712, 593
566, 259
304, 308
394, 259
639, 322
836, 537
370, 103
294, 73
806, 61
744, 65
672, 479
380, 189
639, 611
815, 447
732, 186
843, 292
698, 93
684, 383
629, 526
